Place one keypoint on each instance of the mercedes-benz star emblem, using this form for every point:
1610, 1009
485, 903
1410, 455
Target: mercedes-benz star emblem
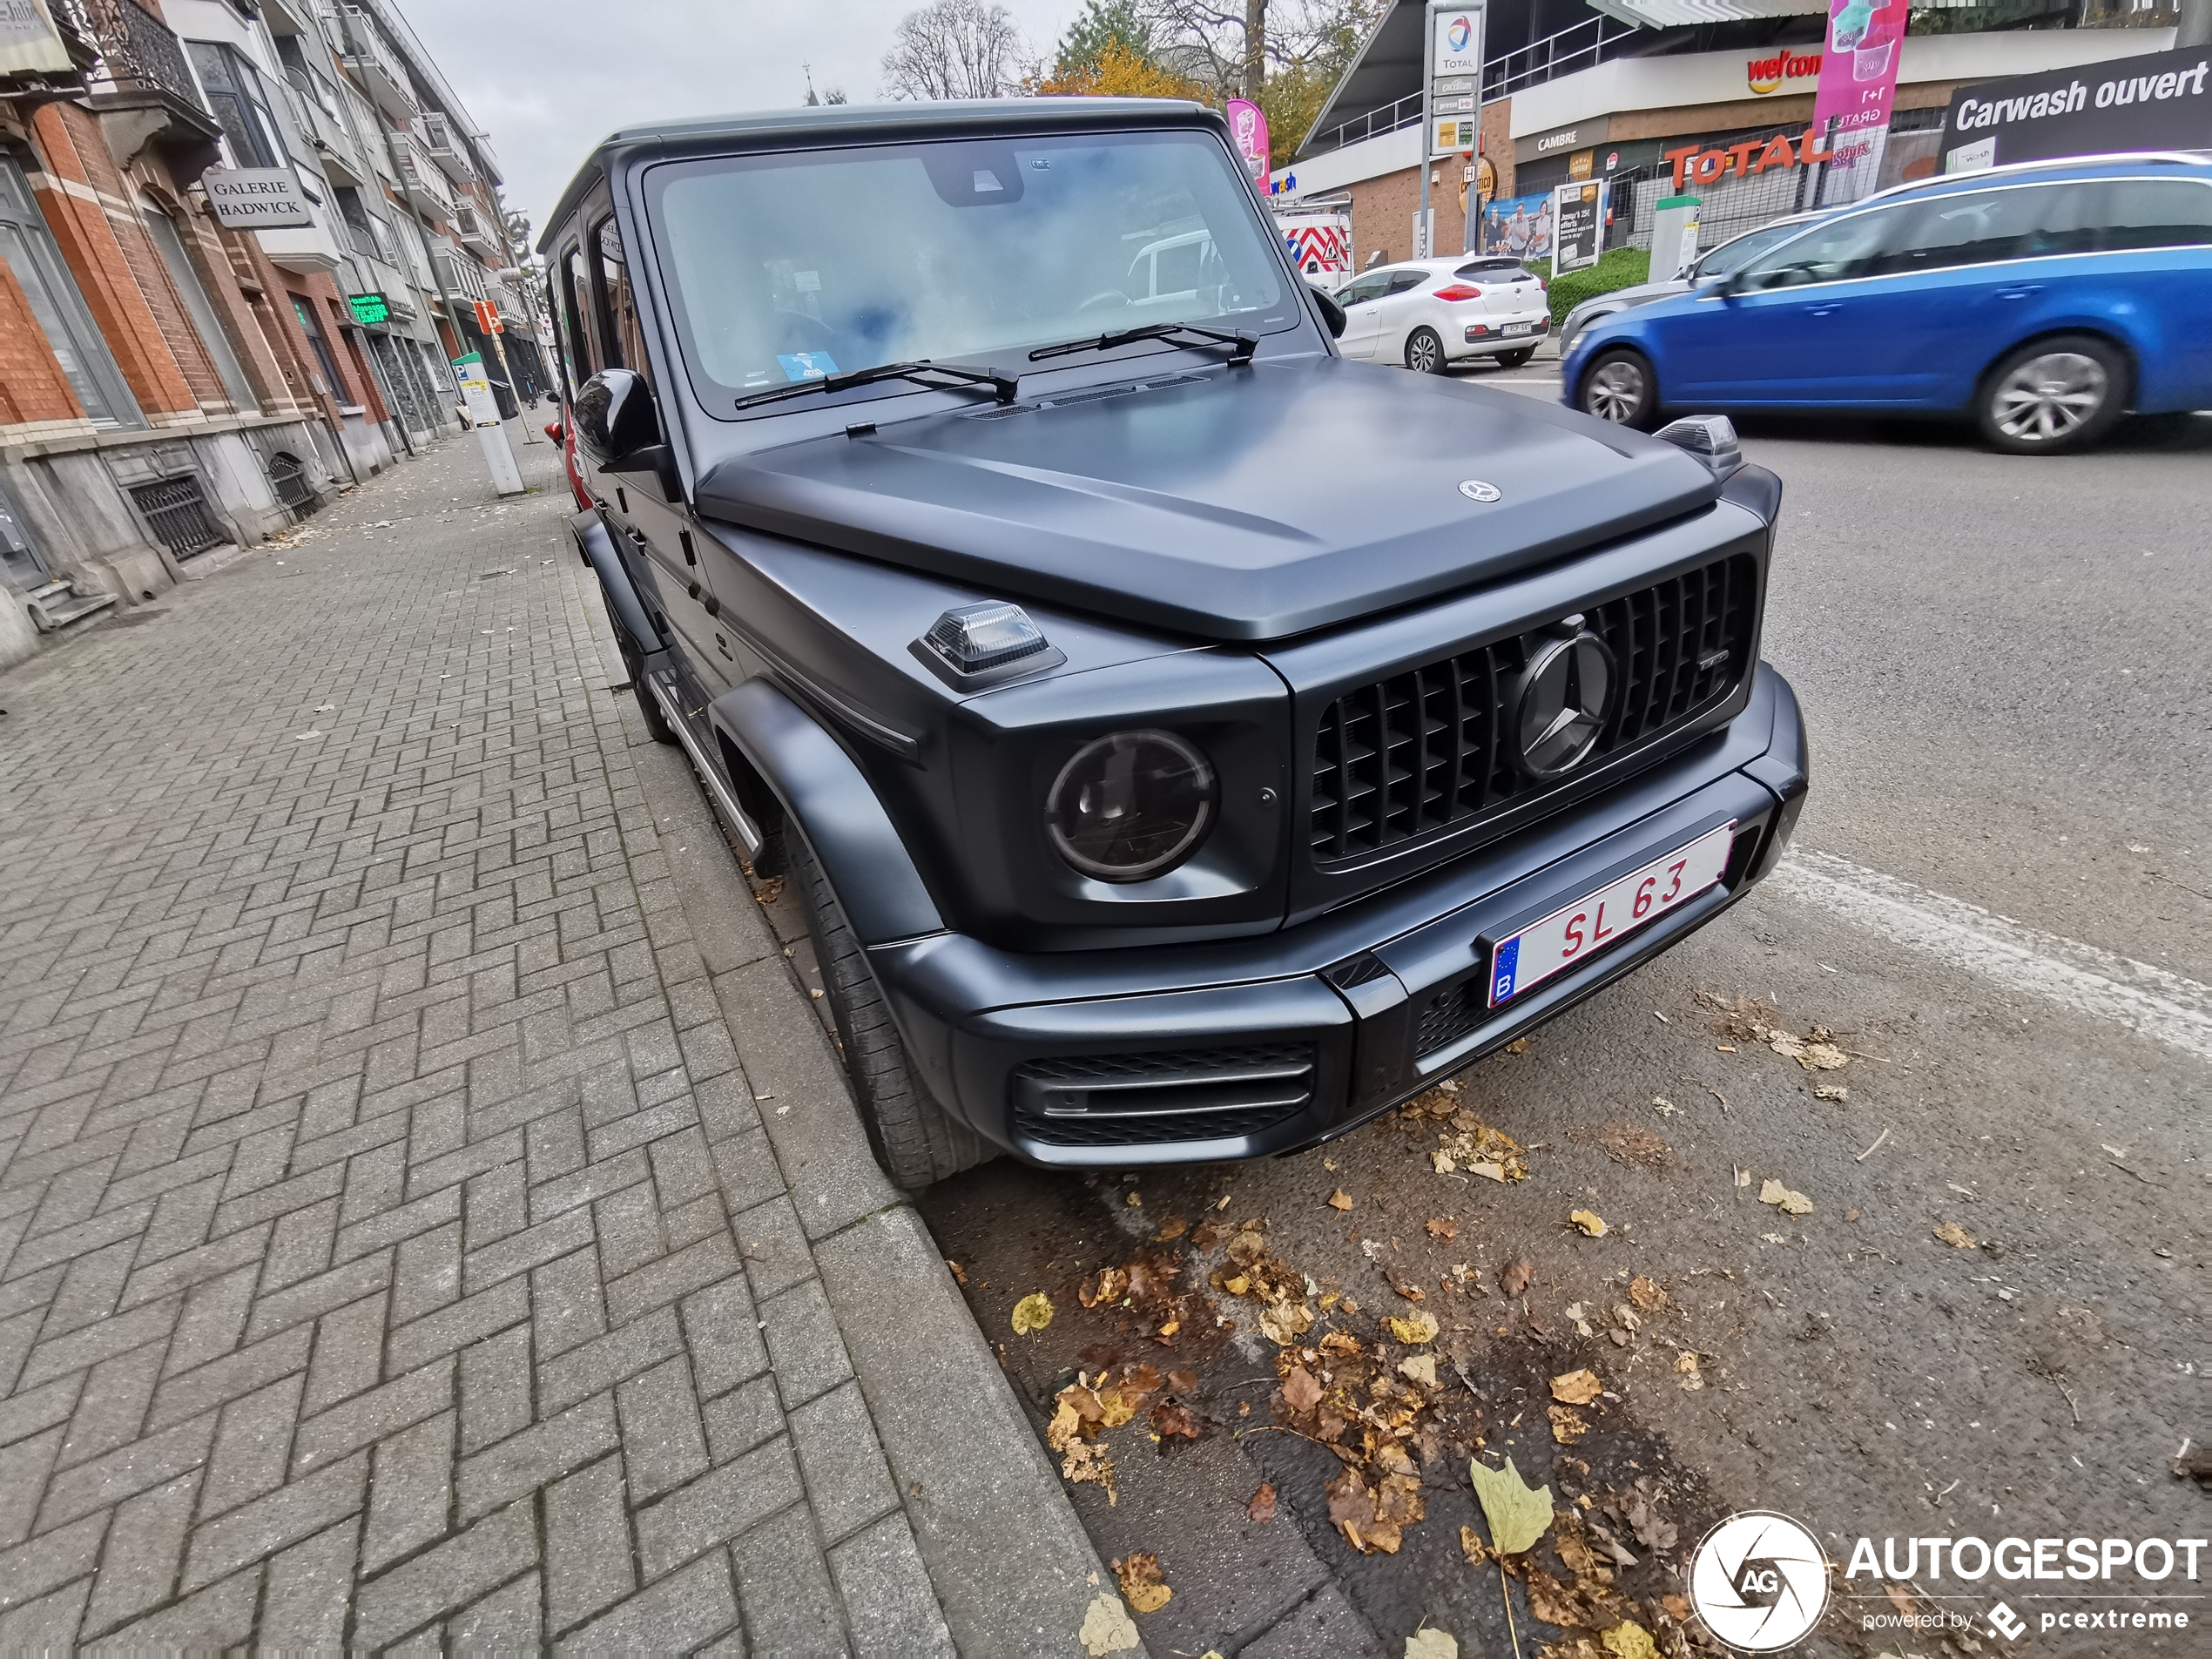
1475, 489
1566, 693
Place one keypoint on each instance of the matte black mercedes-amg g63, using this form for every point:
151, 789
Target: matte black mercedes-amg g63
1189, 743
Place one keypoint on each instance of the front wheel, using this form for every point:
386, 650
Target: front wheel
1621, 388
913, 1139
2055, 395
1425, 351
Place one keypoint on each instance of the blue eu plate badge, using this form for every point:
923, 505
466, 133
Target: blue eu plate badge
1502, 971
807, 365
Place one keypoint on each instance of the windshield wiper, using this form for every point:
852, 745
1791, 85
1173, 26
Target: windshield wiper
1241, 346
1007, 386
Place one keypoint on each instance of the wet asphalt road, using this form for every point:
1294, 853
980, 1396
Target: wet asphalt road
2005, 668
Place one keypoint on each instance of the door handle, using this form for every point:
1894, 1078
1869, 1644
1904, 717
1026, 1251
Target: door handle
2020, 293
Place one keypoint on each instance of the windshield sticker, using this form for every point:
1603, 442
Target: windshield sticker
986, 179
807, 281
807, 365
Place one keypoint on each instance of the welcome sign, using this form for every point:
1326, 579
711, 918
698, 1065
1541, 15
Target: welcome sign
2158, 101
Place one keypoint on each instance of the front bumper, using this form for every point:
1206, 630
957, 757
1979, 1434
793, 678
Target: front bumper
1260, 1046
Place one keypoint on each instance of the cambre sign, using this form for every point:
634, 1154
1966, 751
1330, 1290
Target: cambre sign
257, 199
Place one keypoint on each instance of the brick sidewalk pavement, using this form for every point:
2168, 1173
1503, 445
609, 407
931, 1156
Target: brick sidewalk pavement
393, 1250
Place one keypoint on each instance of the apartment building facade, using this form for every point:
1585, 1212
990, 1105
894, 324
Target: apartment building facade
172, 383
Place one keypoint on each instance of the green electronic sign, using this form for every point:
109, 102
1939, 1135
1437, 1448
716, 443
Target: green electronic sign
369, 307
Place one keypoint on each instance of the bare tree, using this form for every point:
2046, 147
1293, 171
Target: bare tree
955, 49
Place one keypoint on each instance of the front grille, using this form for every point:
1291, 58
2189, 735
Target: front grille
1449, 1015
1426, 750
1176, 1095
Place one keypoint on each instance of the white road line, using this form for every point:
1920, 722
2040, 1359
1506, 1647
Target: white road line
2147, 1000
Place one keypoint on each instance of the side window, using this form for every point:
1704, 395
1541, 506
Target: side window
575, 305
240, 107
1406, 282
2155, 212
1371, 286
618, 323
1832, 252
1984, 227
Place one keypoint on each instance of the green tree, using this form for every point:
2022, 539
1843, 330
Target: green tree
1097, 27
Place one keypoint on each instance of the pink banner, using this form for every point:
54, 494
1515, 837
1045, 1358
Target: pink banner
1248, 127
1858, 68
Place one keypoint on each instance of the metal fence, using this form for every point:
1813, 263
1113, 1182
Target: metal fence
177, 513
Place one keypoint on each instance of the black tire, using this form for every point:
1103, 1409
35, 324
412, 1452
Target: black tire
915, 1140
633, 661
1425, 351
1515, 359
1620, 386
2064, 393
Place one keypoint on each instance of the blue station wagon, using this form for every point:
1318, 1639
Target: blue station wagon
2042, 301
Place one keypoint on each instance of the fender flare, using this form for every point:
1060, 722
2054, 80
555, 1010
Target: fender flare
830, 799
622, 603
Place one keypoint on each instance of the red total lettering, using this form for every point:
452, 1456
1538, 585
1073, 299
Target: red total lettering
1809, 149
1711, 164
1679, 159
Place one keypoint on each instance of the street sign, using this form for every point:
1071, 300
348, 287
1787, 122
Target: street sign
487, 318
257, 199
369, 309
1455, 79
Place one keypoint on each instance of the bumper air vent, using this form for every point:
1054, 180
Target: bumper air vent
1140, 1099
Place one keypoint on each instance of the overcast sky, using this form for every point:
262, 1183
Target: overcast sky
548, 79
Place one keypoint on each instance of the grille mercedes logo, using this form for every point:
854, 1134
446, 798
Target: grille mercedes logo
1566, 694
1475, 489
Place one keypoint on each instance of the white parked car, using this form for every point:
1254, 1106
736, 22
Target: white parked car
1429, 314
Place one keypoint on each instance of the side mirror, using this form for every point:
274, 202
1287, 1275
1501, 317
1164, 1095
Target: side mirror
615, 416
553, 430
1332, 316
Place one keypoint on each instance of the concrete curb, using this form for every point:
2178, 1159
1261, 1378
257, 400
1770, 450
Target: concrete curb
1012, 1568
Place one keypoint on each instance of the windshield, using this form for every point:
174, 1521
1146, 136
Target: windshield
1723, 259
786, 268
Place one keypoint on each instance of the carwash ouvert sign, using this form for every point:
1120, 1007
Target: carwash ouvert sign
2158, 101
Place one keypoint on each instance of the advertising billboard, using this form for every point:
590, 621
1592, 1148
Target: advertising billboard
2158, 101
1578, 226
1248, 127
1857, 85
1521, 225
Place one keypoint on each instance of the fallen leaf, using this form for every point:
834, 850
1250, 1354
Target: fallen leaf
1648, 1294
1569, 1424
1340, 1199
1743, 1178
1441, 1228
1032, 1312
1471, 1547
1517, 1513
1519, 1045
1354, 1511
1139, 1574
959, 1273
1285, 1321
1652, 1532
1411, 1293
1134, 1200
1107, 1628
1516, 1277
1171, 1227
1169, 1420
1421, 1368
1775, 1238
1629, 1639
1686, 1370
1677, 1608
1823, 1056
1486, 1169
1577, 1387
1183, 1380
1300, 1391
1441, 1162
1087, 1462
1262, 1507
1789, 1202
1590, 1221
1420, 1328
1951, 1233
1830, 1091
1109, 1286
1431, 1644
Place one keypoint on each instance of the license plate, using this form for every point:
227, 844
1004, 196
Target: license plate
1517, 327
1573, 931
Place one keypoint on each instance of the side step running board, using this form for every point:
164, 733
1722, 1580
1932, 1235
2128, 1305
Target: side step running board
668, 693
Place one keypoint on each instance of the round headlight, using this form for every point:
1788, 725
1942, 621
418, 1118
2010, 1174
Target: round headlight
1131, 805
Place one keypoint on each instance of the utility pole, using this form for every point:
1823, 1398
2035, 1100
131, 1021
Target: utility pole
1422, 240
1255, 48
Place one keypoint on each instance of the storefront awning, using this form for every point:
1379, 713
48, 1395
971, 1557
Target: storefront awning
1675, 13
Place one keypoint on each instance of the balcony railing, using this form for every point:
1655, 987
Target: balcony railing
1576, 47
142, 62
445, 145
378, 67
420, 180
475, 231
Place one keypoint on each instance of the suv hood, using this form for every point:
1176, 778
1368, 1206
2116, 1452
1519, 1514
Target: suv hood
1228, 503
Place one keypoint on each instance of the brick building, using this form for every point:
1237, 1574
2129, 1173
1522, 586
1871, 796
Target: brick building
169, 385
